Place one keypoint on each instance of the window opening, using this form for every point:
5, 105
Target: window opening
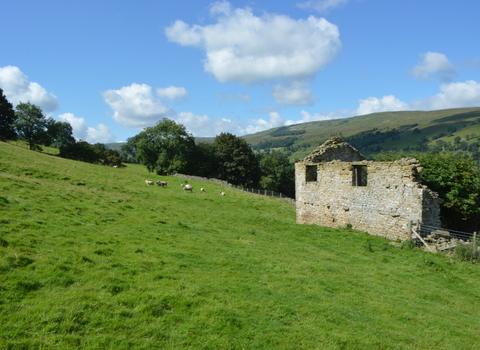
359, 175
311, 173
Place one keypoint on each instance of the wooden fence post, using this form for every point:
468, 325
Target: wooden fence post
475, 252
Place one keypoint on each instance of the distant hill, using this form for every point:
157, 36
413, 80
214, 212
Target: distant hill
372, 133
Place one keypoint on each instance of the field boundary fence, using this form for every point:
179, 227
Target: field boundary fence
438, 238
425, 230
227, 184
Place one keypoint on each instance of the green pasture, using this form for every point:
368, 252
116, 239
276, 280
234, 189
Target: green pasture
92, 258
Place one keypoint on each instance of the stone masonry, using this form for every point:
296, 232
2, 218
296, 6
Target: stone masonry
336, 186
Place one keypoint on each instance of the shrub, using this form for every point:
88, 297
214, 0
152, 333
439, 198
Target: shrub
465, 252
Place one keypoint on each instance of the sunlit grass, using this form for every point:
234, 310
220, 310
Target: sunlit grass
92, 258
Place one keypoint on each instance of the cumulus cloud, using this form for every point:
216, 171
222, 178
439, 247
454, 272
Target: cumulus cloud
198, 125
375, 105
307, 117
453, 95
434, 64
261, 124
17, 88
245, 48
172, 93
293, 94
321, 5
204, 126
81, 131
136, 106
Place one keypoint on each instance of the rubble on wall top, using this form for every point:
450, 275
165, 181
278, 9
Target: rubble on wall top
334, 149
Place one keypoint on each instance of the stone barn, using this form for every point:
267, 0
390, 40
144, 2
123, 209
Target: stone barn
335, 186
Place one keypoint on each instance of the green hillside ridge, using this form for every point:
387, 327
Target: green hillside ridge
414, 130
433, 125
92, 258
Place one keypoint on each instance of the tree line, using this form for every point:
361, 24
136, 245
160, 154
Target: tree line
28, 123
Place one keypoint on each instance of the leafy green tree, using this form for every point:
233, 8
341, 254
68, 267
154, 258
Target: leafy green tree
85, 152
205, 162
31, 124
128, 151
165, 148
277, 174
235, 160
59, 134
7, 119
112, 157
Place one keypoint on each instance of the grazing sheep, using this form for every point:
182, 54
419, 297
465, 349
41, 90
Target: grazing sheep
162, 183
148, 182
202, 189
222, 193
187, 187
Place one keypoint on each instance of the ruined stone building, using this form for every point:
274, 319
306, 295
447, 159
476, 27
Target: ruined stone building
335, 186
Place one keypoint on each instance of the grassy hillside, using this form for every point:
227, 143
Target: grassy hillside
375, 132
92, 258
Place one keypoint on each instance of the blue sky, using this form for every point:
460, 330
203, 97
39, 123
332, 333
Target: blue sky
112, 68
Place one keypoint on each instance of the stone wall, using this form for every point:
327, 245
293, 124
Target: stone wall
382, 198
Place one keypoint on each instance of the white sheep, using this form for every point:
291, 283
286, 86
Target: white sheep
202, 189
148, 182
222, 193
187, 187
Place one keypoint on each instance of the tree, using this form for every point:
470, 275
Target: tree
205, 163
59, 134
165, 148
31, 124
7, 119
277, 174
85, 152
128, 151
112, 157
236, 162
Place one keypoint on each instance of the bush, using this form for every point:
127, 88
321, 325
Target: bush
465, 252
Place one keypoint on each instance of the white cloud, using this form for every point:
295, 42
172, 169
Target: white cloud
453, 95
249, 49
375, 105
261, 124
293, 94
81, 131
205, 126
321, 5
198, 125
136, 106
172, 93
434, 63
17, 88
226, 125
307, 117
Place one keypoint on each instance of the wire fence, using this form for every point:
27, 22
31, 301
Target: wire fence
426, 230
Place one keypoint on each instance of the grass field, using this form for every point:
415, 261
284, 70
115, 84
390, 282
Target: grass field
92, 258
